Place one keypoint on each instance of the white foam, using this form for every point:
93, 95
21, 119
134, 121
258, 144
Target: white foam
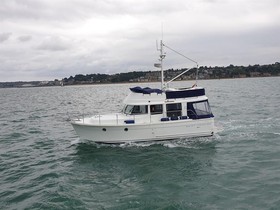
137, 144
76, 141
170, 145
176, 143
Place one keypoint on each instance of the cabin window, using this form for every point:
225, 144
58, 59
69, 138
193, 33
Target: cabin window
174, 110
136, 109
156, 109
200, 109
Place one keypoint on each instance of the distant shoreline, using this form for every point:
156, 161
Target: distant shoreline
187, 74
28, 84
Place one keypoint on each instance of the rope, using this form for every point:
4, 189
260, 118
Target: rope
181, 54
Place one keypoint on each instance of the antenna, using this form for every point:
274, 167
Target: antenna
162, 31
162, 56
160, 65
157, 45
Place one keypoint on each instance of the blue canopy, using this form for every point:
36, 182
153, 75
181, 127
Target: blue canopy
185, 93
145, 90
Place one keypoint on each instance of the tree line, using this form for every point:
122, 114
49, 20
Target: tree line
204, 72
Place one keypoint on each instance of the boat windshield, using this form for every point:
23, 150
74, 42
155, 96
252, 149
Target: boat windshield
199, 109
135, 109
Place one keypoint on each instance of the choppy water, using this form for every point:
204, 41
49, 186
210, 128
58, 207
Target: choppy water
43, 164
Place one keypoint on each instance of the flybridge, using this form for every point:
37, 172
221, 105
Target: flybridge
176, 93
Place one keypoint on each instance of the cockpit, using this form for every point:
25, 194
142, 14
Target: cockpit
191, 110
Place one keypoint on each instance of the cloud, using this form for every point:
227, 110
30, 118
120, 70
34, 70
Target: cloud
24, 38
4, 37
49, 39
53, 43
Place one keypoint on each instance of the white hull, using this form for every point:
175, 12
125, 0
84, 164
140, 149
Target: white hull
145, 132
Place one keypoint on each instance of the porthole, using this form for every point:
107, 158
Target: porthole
104, 129
126, 129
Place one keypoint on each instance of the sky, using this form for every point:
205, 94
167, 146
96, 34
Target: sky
52, 39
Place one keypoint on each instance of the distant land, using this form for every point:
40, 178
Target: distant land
204, 72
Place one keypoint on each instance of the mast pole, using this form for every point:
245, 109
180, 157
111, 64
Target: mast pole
196, 76
161, 64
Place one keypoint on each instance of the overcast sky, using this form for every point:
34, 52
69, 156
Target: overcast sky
53, 39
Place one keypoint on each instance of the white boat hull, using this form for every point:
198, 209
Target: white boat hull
153, 114
145, 132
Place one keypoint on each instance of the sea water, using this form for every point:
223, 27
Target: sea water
44, 165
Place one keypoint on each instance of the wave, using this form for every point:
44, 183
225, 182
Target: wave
194, 142
75, 142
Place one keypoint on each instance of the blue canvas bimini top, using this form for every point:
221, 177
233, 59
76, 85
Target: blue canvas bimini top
145, 90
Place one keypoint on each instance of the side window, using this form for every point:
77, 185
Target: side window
140, 109
202, 108
135, 109
174, 110
156, 109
